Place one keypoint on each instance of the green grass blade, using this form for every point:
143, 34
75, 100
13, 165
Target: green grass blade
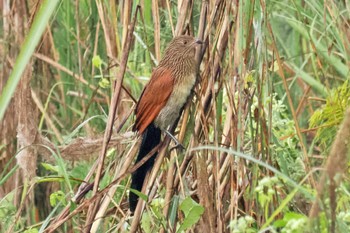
291, 182
30, 43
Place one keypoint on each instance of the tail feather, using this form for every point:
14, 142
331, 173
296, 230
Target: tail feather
150, 139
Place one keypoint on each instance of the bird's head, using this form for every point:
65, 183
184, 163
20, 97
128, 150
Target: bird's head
182, 46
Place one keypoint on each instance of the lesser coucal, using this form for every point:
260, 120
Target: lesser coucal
161, 102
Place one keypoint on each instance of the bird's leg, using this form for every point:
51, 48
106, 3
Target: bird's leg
177, 143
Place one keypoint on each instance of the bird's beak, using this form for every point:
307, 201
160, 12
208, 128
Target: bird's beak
198, 41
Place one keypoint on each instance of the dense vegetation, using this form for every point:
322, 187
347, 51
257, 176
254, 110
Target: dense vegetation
266, 134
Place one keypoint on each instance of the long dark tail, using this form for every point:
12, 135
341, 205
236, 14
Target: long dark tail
150, 139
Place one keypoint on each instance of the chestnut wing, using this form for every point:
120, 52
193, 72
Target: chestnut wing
153, 98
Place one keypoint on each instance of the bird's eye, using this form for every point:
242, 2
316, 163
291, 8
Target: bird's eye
185, 42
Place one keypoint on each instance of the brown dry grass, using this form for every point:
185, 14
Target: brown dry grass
225, 106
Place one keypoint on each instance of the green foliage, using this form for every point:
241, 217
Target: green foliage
31, 230
328, 117
147, 223
285, 149
267, 189
56, 197
343, 219
243, 225
97, 62
285, 143
7, 210
192, 211
292, 223
140, 194
153, 220
313, 44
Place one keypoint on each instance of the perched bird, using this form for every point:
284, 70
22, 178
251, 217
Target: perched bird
161, 102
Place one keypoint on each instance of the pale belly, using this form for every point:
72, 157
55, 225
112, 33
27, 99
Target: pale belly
177, 99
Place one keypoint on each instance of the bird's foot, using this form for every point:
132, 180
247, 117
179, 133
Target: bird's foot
178, 145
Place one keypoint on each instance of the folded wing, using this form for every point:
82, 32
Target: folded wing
153, 98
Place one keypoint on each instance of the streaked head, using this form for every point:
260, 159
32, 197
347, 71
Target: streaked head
183, 46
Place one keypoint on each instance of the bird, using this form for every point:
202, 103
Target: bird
162, 101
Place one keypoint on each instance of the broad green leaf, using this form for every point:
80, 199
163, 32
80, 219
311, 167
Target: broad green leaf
193, 211
140, 194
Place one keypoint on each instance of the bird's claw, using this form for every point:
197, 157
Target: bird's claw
178, 145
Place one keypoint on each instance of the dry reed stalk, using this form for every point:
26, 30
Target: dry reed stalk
64, 216
304, 99
170, 17
21, 208
12, 16
27, 127
94, 53
48, 120
173, 156
124, 164
200, 114
169, 186
91, 214
79, 149
217, 180
67, 71
125, 18
182, 10
290, 100
156, 24
77, 28
205, 194
149, 181
205, 103
27, 120
20, 118
109, 33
